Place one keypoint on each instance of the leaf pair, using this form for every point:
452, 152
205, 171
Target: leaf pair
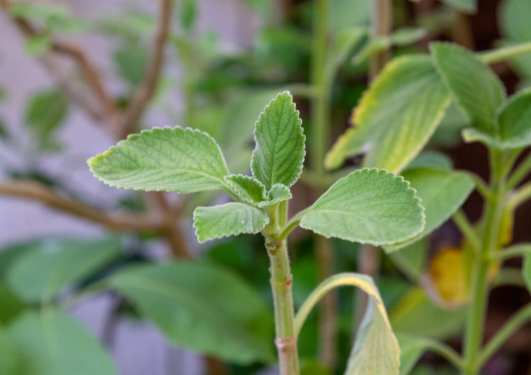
369, 206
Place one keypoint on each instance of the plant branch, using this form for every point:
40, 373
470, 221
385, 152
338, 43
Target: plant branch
514, 251
146, 89
40, 193
513, 325
505, 53
519, 196
520, 173
467, 230
444, 351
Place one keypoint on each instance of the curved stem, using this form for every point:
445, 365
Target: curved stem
506, 53
520, 173
513, 252
520, 196
515, 323
444, 351
466, 229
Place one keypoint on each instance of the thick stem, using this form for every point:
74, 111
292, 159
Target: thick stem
479, 284
281, 282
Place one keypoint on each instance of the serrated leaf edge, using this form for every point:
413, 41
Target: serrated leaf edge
158, 129
409, 188
249, 178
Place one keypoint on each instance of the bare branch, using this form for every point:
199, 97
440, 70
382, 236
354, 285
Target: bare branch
34, 191
147, 88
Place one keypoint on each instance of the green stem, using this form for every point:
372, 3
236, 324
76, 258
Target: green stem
444, 351
520, 173
467, 230
506, 53
321, 103
515, 323
520, 196
281, 286
515, 251
479, 283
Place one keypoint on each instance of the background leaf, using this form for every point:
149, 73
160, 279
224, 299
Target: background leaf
395, 117
441, 193
44, 272
278, 156
228, 219
52, 343
527, 271
177, 159
469, 6
367, 206
201, 307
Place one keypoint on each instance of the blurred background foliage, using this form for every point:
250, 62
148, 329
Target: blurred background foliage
222, 90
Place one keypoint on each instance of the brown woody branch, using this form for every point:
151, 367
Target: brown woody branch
147, 88
34, 191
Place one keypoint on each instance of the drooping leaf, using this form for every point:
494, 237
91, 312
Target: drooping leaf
376, 349
278, 156
228, 219
474, 86
44, 113
41, 274
395, 117
441, 193
469, 6
278, 193
368, 206
52, 343
247, 188
182, 160
201, 307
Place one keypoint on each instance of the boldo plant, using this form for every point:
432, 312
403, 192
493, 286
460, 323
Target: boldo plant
368, 205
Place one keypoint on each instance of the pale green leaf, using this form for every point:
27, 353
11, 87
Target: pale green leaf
411, 259
182, 160
343, 45
515, 19
10, 358
376, 349
346, 14
45, 271
246, 188
395, 117
278, 156
52, 343
469, 6
514, 121
201, 307
527, 271
130, 60
441, 193
368, 206
228, 219
278, 193
474, 86
431, 159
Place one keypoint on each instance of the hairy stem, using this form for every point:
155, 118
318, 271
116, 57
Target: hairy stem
479, 283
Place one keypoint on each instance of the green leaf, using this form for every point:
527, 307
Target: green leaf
431, 159
469, 6
11, 305
188, 14
228, 219
395, 117
376, 349
278, 193
10, 358
411, 259
514, 121
44, 113
514, 22
130, 62
474, 86
201, 307
368, 206
441, 192
247, 188
411, 349
346, 14
527, 271
52, 343
342, 47
278, 156
182, 160
38, 44
414, 315
39, 275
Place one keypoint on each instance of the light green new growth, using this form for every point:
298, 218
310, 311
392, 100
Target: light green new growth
181, 160
246, 188
368, 206
279, 152
228, 220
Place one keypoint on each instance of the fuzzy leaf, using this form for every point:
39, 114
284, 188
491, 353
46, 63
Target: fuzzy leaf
395, 117
52, 343
278, 193
228, 219
247, 188
441, 192
368, 206
201, 307
42, 273
376, 349
474, 86
278, 156
182, 160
